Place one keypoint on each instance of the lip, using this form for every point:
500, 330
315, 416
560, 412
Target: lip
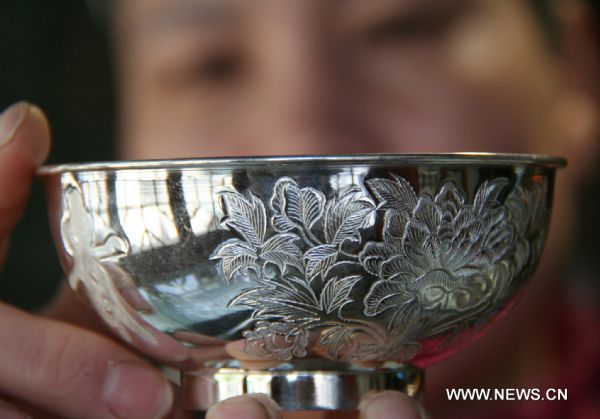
434, 159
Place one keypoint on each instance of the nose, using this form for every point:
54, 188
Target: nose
307, 104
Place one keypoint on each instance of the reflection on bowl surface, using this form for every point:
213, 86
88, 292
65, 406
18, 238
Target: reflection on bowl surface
351, 258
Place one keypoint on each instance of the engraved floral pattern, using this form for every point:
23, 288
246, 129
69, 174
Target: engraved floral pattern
296, 292
440, 261
435, 254
95, 253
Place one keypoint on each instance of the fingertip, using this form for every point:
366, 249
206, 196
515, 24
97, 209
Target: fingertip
251, 406
390, 405
24, 144
236, 350
10, 122
24, 135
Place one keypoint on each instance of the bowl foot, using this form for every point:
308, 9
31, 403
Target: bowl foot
298, 385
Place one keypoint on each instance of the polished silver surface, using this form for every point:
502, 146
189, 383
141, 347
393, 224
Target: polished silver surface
344, 259
389, 158
303, 387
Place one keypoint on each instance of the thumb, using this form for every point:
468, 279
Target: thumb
391, 405
24, 144
250, 406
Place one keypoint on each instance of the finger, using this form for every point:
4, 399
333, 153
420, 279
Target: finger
236, 350
24, 144
65, 306
73, 372
250, 406
8, 411
390, 405
178, 411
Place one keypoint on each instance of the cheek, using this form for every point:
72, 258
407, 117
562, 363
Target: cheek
491, 87
445, 115
164, 126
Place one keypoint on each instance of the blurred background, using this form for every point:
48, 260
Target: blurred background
54, 55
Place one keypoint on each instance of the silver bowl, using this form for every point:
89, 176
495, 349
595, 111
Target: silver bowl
348, 273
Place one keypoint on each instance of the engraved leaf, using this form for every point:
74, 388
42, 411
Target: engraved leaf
337, 340
488, 194
528, 209
336, 293
373, 255
319, 259
428, 213
345, 216
395, 194
405, 320
403, 267
281, 250
450, 200
313, 203
394, 226
234, 255
385, 295
290, 299
246, 215
517, 203
295, 207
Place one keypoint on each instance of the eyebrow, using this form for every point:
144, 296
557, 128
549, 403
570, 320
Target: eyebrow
432, 15
178, 14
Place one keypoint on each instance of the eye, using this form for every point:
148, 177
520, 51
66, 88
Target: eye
211, 70
220, 67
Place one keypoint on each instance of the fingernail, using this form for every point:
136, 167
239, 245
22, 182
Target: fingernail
41, 153
11, 120
133, 391
389, 405
252, 406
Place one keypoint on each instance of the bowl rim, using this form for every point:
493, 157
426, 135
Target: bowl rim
407, 159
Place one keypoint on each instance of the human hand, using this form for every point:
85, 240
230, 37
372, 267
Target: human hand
50, 368
383, 405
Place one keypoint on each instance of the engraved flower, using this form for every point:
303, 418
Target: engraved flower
277, 340
436, 252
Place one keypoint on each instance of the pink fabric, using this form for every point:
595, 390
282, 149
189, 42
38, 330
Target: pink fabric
579, 343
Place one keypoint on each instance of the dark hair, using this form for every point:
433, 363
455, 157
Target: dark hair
101, 10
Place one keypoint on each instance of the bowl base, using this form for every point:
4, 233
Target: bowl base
298, 385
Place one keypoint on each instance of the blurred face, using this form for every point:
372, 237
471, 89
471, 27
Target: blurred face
233, 77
